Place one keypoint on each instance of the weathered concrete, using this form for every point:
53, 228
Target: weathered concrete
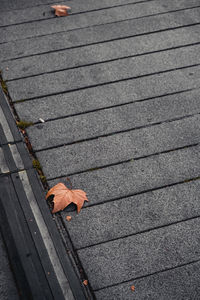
120, 147
117, 84
104, 73
26, 227
133, 215
100, 33
8, 288
67, 104
21, 31
101, 52
182, 282
19, 4
42, 12
137, 176
113, 120
139, 255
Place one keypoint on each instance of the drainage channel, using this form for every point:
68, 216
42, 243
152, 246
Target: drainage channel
39, 260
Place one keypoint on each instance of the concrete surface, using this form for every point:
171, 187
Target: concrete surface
101, 33
135, 214
138, 45
178, 283
21, 31
117, 83
136, 176
8, 288
143, 254
114, 120
120, 147
116, 94
104, 73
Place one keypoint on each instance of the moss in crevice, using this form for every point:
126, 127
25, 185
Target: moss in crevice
19, 101
36, 165
4, 87
43, 179
3, 84
24, 124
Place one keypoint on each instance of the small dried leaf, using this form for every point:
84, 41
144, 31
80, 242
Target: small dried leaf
61, 10
85, 282
133, 288
64, 196
68, 218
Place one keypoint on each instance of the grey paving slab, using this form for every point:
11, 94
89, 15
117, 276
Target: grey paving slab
8, 288
112, 120
132, 215
19, 4
139, 255
133, 181
16, 16
21, 31
103, 73
67, 104
98, 53
120, 147
42, 12
180, 283
95, 34
137, 176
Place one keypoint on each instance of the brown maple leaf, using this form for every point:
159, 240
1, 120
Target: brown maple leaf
61, 10
64, 196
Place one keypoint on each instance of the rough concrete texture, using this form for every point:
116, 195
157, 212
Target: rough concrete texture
114, 120
41, 11
117, 83
100, 33
21, 31
133, 215
102, 52
179, 283
137, 176
120, 147
68, 104
19, 4
104, 73
139, 255
8, 289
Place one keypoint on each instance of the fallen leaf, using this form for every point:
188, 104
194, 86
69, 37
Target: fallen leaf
64, 196
85, 282
61, 10
133, 288
68, 218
